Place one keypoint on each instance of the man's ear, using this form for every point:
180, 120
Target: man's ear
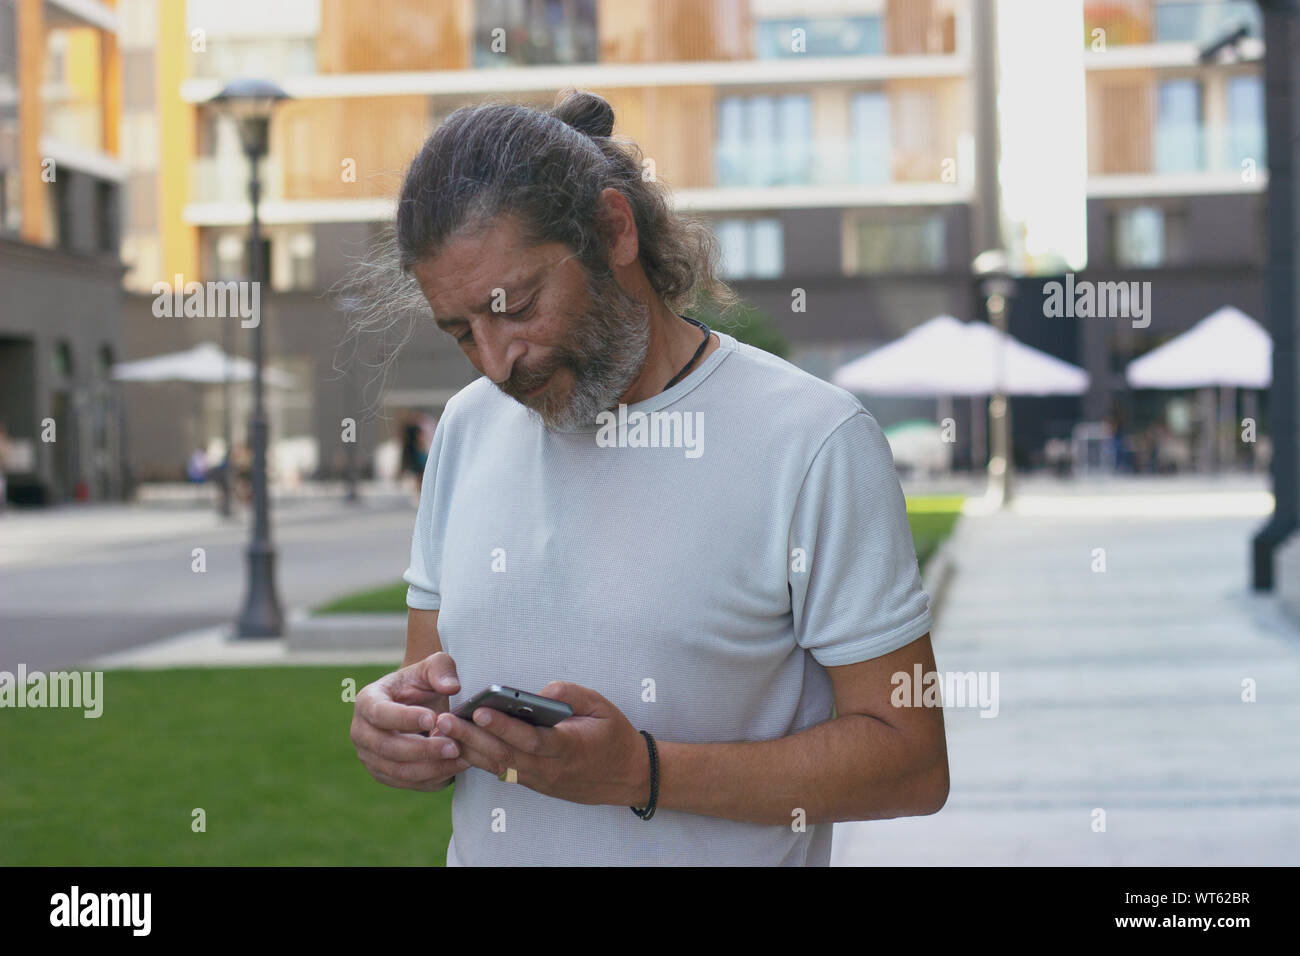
618, 225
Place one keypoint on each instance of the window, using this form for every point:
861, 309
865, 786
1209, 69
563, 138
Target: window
1246, 138
1138, 237
869, 146
1204, 21
764, 140
531, 32
902, 243
1178, 127
751, 248
828, 36
106, 217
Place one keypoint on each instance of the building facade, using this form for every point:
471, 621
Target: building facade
61, 301
829, 142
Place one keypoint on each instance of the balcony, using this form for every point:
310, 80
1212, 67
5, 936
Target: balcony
1140, 22
215, 179
823, 161
1188, 148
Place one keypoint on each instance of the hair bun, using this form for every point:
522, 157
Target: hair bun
586, 112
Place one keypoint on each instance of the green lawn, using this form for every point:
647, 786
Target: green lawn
932, 519
265, 752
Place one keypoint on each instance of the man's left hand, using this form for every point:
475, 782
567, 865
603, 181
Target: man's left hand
594, 757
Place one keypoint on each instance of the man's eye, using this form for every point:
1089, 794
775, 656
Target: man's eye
519, 312
462, 339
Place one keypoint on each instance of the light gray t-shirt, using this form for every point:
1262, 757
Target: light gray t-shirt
700, 572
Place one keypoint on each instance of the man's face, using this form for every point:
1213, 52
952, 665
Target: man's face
562, 343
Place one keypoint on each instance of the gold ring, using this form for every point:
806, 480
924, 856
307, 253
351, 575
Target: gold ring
509, 775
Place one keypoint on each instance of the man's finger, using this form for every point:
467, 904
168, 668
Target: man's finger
584, 701
400, 746
436, 672
389, 715
517, 734
499, 755
414, 776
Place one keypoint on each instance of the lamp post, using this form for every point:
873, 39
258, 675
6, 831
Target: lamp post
250, 104
992, 269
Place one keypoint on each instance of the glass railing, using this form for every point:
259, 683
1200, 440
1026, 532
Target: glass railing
816, 162
225, 179
1185, 148
1203, 22
230, 58
74, 123
822, 36
1183, 21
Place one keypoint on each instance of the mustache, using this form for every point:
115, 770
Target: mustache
521, 384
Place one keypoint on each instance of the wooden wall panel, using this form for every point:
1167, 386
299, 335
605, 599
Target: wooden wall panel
640, 31
381, 134
364, 36
673, 125
1121, 121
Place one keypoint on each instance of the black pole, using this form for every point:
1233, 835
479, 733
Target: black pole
225, 507
261, 616
1282, 98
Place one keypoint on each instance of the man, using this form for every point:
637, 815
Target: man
700, 590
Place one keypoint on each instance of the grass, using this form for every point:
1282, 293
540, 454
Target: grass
931, 517
264, 752
390, 599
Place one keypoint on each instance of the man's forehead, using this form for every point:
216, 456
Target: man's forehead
469, 270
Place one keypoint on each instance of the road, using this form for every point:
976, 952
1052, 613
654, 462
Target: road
80, 581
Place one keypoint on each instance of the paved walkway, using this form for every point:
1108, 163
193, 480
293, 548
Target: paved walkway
1119, 690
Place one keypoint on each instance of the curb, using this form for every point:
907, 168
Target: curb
351, 632
938, 574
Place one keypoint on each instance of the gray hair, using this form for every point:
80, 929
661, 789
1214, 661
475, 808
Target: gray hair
549, 169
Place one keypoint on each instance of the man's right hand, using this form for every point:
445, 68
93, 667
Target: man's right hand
392, 713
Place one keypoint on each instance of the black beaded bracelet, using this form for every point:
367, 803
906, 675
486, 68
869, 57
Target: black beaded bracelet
649, 811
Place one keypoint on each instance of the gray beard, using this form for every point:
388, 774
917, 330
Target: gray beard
605, 353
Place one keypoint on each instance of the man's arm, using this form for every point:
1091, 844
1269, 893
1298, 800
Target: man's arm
421, 635
873, 761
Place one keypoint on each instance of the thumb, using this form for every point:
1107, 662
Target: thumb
583, 700
437, 672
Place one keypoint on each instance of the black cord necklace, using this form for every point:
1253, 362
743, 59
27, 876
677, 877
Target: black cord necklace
698, 352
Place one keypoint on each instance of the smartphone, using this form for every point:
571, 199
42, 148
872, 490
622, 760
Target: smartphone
530, 708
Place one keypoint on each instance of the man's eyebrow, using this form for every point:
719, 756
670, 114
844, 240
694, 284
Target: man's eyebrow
526, 283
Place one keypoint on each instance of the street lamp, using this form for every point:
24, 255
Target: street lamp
250, 104
992, 268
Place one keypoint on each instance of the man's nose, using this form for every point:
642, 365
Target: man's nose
499, 348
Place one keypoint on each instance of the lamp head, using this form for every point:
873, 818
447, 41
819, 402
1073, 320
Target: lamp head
250, 102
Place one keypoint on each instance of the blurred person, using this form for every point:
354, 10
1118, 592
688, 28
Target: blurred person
726, 626
196, 469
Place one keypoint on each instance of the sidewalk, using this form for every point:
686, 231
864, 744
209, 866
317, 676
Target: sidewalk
1118, 690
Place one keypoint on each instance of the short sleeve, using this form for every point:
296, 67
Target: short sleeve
857, 592
426, 551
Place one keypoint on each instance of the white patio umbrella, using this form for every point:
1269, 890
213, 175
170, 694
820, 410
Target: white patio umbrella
204, 364
947, 357
1227, 348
